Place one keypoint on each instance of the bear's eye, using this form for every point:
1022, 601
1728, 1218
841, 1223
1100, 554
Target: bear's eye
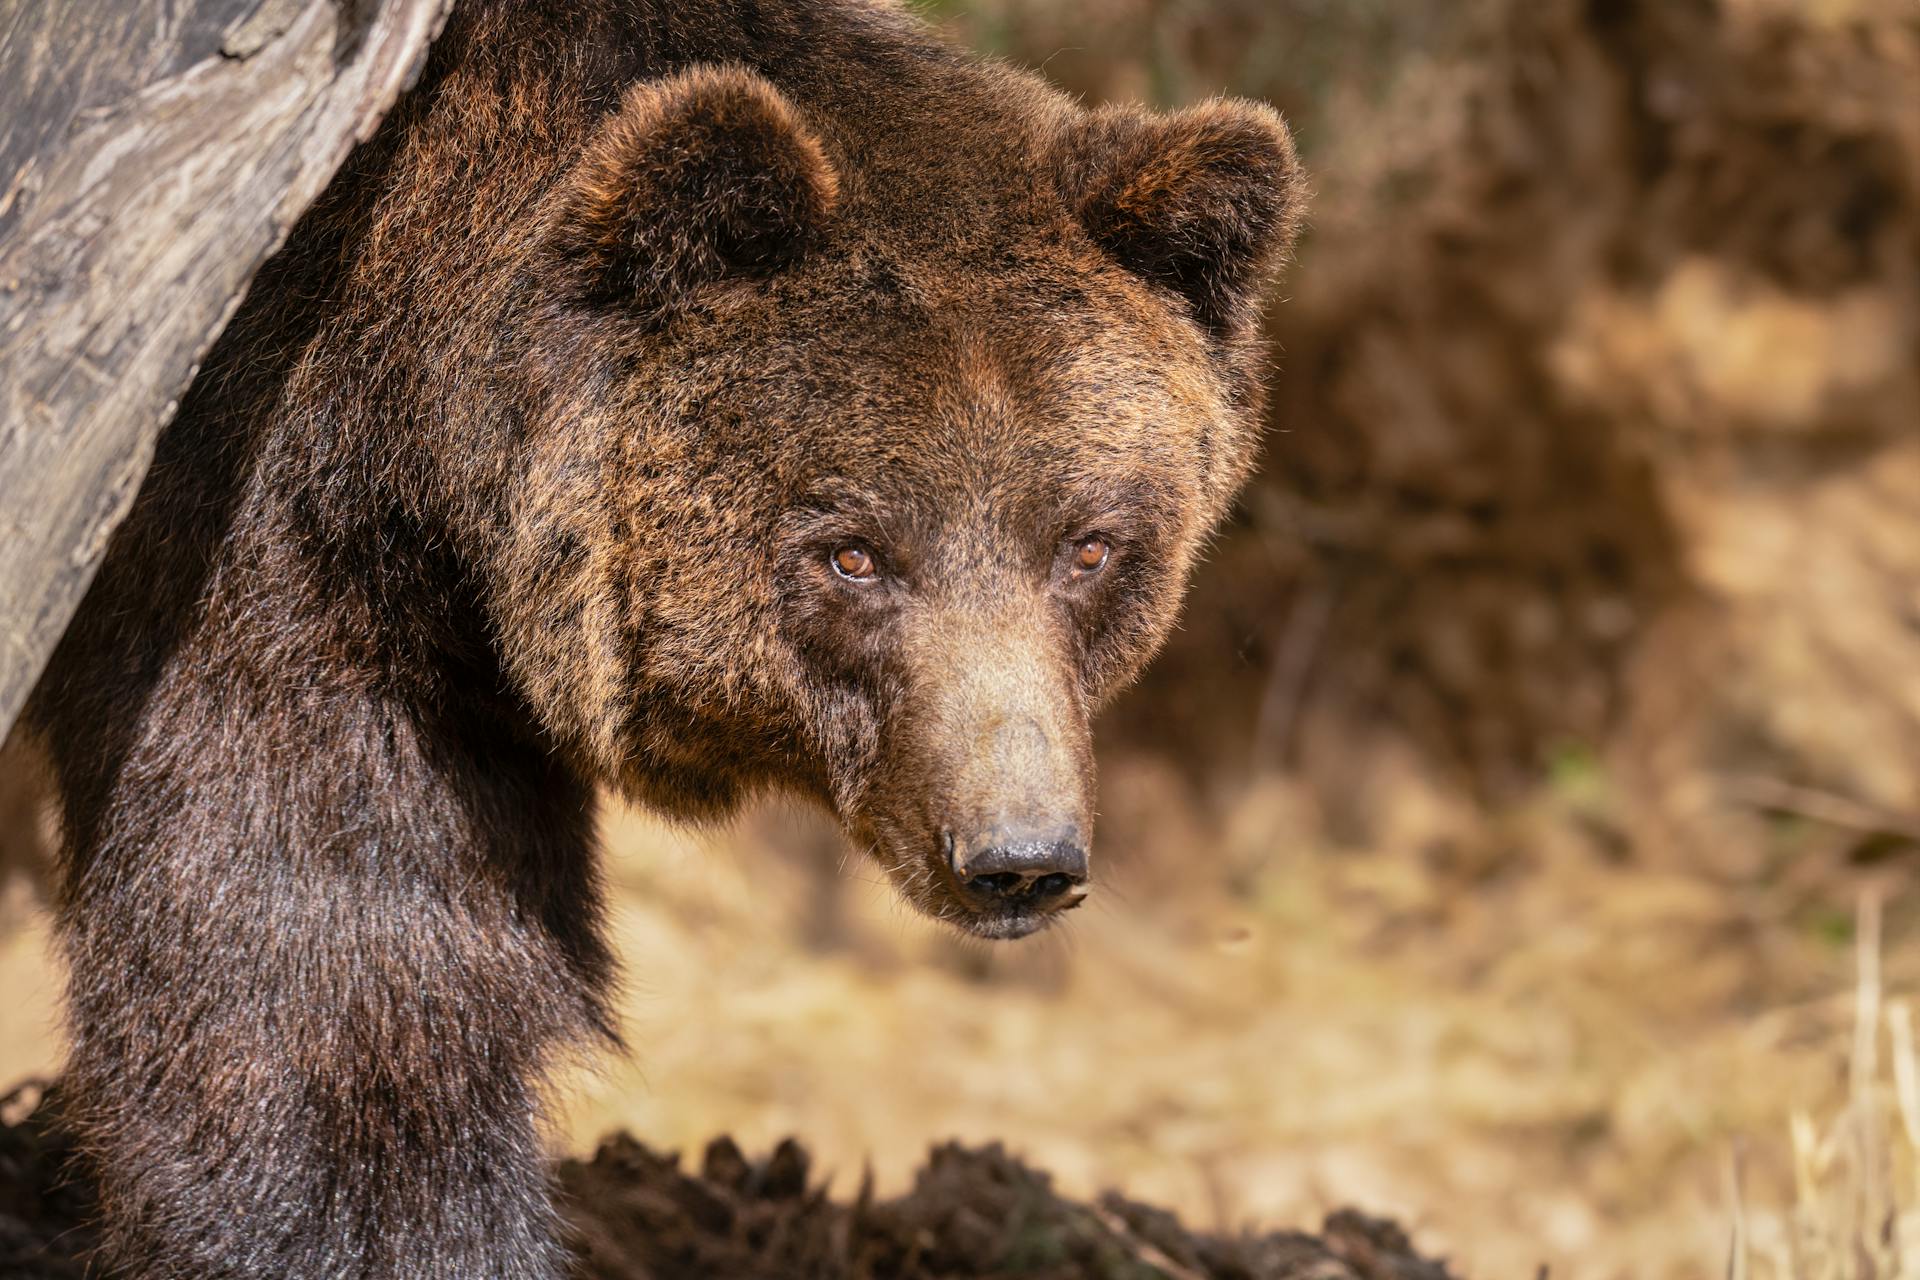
1090, 555
855, 563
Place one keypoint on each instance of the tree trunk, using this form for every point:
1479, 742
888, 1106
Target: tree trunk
153, 153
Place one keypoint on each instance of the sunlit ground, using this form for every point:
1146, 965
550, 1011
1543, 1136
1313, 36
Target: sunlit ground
1555, 1064
1554, 1067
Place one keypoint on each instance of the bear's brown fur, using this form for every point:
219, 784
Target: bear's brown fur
687, 396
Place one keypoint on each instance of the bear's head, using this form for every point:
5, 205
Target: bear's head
882, 426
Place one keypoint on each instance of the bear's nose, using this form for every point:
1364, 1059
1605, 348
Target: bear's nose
1026, 873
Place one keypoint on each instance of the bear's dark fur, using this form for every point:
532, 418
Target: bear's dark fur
684, 396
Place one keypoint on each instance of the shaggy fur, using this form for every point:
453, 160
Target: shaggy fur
522, 471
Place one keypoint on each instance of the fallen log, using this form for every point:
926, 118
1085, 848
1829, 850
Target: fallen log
153, 153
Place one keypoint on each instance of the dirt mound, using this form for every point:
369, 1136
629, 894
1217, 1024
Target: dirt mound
1595, 433
637, 1215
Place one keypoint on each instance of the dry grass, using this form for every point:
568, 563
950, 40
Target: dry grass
1540, 1058
1855, 1211
1549, 1066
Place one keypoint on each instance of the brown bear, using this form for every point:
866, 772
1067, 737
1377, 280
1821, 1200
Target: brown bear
685, 397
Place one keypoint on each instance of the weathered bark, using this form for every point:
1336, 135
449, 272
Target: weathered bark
152, 154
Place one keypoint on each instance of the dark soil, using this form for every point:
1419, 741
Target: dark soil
638, 1215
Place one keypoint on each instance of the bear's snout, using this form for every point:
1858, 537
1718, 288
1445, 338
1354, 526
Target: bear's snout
1011, 785
1014, 880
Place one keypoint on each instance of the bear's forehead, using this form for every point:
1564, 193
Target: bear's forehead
973, 363
976, 425
1033, 308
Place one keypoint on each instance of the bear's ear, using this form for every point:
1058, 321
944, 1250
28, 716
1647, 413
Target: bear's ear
1205, 201
700, 176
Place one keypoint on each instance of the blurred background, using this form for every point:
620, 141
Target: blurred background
1489, 848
